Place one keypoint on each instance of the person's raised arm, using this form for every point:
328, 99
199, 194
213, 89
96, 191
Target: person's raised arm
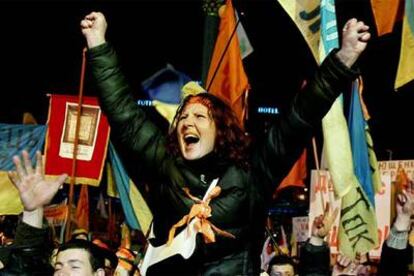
405, 208
396, 254
93, 27
286, 139
34, 191
31, 238
314, 255
322, 225
130, 125
335, 74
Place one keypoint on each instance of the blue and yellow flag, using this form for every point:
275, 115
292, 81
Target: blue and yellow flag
165, 85
337, 146
14, 139
306, 15
359, 144
166, 88
137, 213
405, 72
373, 162
358, 225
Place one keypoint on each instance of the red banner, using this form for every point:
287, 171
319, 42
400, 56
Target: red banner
92, 142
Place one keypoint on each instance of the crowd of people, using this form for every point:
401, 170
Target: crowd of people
315, 256
33, 252
209, 184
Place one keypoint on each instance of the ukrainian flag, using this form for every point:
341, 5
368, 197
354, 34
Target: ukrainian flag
137, 213
14, 139
405, 71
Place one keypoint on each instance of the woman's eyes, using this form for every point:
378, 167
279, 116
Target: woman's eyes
198, 116
182, 117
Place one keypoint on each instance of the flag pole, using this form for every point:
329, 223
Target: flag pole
75, 146
315, 153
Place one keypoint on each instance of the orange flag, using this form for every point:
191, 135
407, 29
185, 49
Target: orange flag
402, 181
386, 13
82, 210
296, 176
226, 76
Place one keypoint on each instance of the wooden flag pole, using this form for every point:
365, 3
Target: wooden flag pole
75, 146
315, 153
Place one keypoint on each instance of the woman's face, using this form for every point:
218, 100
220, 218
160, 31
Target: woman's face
196, 131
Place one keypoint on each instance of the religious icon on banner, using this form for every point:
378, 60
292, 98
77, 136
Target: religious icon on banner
89, 122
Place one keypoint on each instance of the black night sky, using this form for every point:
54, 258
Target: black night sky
41, 47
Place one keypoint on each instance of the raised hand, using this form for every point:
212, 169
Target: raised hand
346, 266
94, 27
34, 190
405, 208
355, 36
323, 223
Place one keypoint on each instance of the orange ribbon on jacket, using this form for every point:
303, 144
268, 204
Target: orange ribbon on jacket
202, 211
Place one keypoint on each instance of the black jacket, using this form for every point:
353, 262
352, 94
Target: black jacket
240, 208
314, 260
395, 261
29, 254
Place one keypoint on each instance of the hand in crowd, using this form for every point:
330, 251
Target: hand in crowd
346, 266
94, 27
405, 208
322, 224
355, 36
34, 190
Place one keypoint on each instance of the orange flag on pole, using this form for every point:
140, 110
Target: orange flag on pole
386, 13
226, 76
297, 174
82, 210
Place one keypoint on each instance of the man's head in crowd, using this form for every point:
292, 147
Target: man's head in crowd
281, 266
80, 257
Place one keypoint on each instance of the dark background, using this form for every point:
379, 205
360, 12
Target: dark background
41, 47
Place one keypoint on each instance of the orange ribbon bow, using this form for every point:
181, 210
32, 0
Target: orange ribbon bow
202, 211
